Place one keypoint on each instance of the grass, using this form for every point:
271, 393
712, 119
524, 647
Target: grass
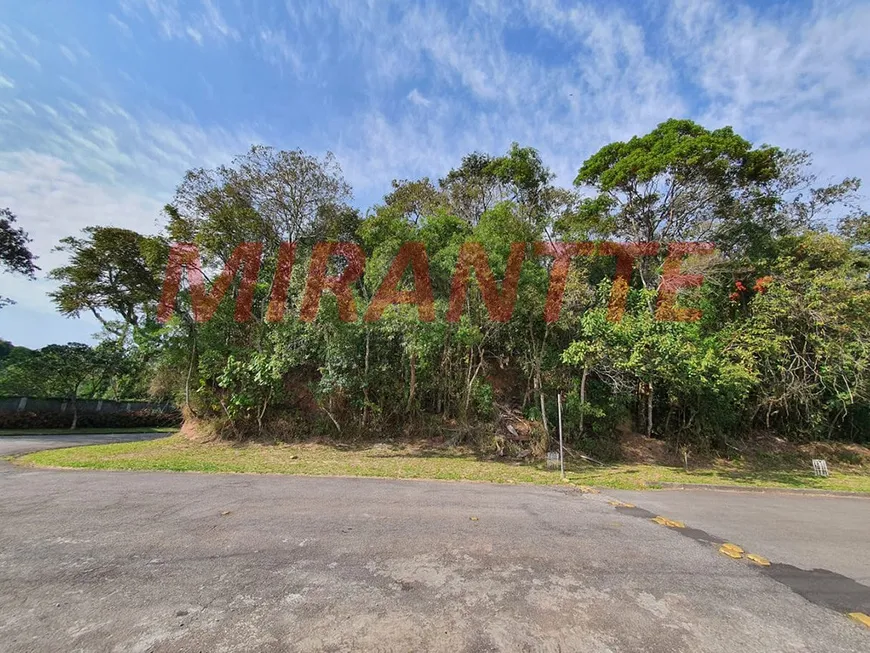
89, 431
177, 453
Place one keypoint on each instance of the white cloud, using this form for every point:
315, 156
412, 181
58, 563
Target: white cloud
416, 97
183, 20
610, 86
790, 77
30, 60
5, 82
25, 106
11, 48
214, 20
798, 80
51, 111
76, 108
195, 34
51, 202
66, 52
104, 142
120, 24
277, 49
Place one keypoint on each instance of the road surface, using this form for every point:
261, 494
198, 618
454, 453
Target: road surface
808, 531
11, 445
116, 561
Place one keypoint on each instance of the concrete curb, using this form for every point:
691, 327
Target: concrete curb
758, 490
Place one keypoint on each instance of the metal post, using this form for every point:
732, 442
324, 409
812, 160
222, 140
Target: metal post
561, 450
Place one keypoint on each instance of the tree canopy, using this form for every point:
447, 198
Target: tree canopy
782, 343
15, 256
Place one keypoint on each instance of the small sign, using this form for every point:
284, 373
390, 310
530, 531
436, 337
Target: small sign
552, 459
820, 467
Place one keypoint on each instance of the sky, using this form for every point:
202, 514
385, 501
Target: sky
105, 104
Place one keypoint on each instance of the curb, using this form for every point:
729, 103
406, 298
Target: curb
758, 490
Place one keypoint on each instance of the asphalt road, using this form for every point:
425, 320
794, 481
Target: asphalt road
808, 531
114, 561
11, 445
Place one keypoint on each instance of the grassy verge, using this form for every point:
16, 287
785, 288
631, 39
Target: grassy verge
87, 431
176, 453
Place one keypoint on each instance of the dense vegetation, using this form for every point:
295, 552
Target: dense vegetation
782, 343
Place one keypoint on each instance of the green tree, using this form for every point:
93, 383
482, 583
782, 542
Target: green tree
63, 371
15, 256
110, 269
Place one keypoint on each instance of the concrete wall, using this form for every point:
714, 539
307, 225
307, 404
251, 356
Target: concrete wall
84, 406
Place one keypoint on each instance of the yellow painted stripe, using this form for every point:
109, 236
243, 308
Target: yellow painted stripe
860, 617
670, 523
759, 560
732, 551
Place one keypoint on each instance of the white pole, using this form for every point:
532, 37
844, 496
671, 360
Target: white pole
561, 450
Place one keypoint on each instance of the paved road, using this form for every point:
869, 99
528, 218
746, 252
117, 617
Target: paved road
113, 561
807, 531
11, 445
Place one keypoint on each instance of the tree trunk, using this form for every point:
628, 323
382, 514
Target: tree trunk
544, 415
366, 378
540, 388
189, 374
413, 383
583, 397
472, 378
649, 409
468, 382
262, 413
75, 415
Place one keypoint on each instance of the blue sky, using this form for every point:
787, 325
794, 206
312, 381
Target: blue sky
104, 104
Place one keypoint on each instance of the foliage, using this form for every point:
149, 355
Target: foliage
15, 256
782, 344
110, 269
71, 371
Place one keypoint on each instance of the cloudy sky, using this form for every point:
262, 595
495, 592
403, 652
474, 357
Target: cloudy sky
104, 104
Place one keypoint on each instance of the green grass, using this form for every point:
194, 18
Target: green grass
176, 453
88, 431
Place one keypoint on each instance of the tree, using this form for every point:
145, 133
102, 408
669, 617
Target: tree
15, 257
806, 336
857, 228
64, 371
275, 195
10, 353
110, 269
679, 182
779, 339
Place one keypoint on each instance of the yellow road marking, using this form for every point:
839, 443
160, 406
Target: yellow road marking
731, 550
759, 560
621, 504
860, 617
670, 523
